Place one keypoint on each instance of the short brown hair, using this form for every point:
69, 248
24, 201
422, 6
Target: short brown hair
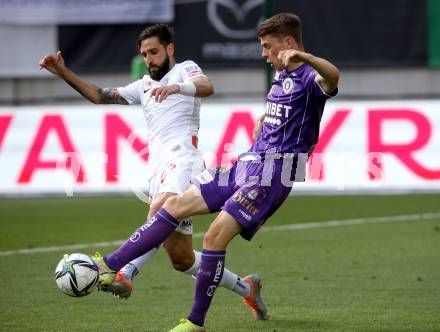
162, 31
283, 24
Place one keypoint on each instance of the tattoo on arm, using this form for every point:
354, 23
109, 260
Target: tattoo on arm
111, 96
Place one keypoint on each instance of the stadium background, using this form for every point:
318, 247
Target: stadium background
380, 143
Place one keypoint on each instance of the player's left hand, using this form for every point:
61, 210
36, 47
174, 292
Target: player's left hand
160, 94
288, 56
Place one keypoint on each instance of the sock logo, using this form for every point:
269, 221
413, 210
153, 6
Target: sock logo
203, 273
218, 271
135, 237
148, 224
240, 284
211, 290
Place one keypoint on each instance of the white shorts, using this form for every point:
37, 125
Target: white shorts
175, 177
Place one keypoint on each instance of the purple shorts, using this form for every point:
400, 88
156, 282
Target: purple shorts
248, 191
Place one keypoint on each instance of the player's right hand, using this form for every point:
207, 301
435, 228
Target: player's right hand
289, 56
53, 63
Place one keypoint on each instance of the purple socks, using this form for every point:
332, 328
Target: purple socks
208, 277
148, 236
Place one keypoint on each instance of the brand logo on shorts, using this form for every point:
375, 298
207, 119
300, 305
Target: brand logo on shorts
185, 227
245, 215
240, 199
186, 223
166, 171
253, 194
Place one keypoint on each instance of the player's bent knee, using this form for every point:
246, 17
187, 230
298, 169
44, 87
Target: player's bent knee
153, 209
174, 206
181, 265
181, 261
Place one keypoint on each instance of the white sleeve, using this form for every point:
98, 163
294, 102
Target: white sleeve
189, 70
131, 93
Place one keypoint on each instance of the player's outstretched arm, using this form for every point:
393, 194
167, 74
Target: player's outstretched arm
54, 63
199, 86
204, 87
328, 77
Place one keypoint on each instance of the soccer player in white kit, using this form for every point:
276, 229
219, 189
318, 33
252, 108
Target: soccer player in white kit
171, 97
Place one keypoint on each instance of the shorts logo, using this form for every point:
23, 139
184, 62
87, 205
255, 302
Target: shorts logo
253, 194
185, 227
245, 215
135, 237
240, 199
166, 171
211, 290
288, 85
186, 223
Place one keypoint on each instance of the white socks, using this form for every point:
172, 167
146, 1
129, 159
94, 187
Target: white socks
192, 271
132, 269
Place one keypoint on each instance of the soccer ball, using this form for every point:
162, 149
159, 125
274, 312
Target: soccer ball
76, 275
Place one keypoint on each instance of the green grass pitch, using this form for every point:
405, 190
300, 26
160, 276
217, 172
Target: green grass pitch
366, 277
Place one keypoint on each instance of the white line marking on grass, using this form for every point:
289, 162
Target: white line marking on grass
318, 224
356, 221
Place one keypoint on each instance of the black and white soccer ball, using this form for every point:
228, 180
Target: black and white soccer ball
76, 275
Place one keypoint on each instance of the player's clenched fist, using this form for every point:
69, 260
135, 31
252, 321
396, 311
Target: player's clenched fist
52, 62
295, 56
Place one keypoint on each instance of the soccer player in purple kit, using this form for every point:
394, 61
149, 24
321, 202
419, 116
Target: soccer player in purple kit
256, 185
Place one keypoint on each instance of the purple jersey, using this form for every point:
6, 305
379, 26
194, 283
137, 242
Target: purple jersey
253, 189
294, 108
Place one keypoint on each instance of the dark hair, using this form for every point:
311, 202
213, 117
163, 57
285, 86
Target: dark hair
161, 31
283, 24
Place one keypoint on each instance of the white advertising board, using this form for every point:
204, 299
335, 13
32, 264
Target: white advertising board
373, 146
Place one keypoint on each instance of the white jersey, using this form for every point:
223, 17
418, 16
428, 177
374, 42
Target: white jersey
173, 124
172, 127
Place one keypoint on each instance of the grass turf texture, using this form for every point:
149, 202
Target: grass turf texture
370, 277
